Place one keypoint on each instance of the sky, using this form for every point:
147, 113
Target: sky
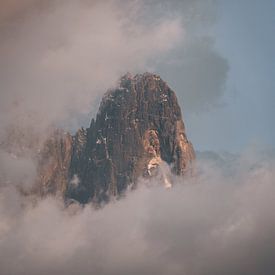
242, 112
248, 45
217, 55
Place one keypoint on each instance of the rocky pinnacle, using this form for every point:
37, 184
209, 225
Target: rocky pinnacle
138, 132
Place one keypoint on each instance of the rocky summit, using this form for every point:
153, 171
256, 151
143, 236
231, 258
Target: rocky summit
138, 132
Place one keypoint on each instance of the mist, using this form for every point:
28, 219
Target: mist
60, 58
57, 60
219, 222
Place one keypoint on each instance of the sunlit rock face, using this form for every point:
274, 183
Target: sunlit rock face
137, 131
54, 162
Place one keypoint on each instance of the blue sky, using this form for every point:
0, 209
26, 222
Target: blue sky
243, 34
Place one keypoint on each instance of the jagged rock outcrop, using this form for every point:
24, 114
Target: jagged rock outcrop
54, 161
138, 127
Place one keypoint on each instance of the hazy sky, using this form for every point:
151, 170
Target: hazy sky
242, 114
245, 36
59, 57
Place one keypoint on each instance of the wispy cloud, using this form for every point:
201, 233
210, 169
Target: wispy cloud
64, 55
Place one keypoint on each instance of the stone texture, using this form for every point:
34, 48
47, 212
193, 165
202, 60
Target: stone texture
138, 127
54, 162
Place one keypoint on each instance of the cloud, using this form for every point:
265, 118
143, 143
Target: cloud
16, 170
11, 9
64, 55
203, 74
196, 70
61, 56
222, 223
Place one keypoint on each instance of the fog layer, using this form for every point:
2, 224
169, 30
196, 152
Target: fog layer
220, 222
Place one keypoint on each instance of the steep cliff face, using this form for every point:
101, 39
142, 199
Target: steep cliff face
138, 128
54, 162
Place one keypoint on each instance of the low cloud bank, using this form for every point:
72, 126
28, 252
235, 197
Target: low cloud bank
221, 222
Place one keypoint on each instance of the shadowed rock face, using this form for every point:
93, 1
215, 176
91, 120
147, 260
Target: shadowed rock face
138, 127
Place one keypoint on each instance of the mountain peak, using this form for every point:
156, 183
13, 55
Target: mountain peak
128, 78
137, 131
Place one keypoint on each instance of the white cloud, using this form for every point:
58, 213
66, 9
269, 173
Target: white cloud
219, 224
61, 58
